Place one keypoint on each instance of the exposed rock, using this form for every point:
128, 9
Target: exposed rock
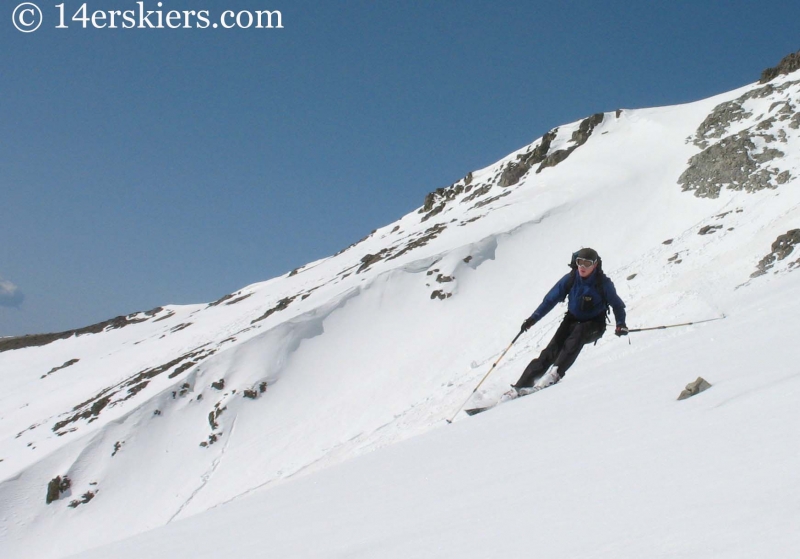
489, 201
170, 314
667, 242
436, 201
91, 409
282, 305
630, 277
434, 211
85, 498
579, 137
36, 340
513, 172
717, 123
369, 259
708, 229
587, 126
789, 64
221, 300
477, 193
428, 235
470, 220
738, 147
734, 162
214, 414
219, 385
238, 299
254, 392
781, 248
64, 366
439, 294
694, 388
354, 244
56, 487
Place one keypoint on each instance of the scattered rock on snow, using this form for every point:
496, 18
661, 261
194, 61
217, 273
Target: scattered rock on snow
281, 305
694, 388
64, 366
708, 229
85, 498
781, 248
56, 487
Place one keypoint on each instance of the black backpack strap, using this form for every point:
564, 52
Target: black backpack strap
599, 285
571, 281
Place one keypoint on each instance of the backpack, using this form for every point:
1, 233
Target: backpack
599, 278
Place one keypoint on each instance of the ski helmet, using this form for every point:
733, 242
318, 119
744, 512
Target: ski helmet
588, 254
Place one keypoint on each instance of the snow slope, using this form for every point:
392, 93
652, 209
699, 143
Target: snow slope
246, 425
605, 464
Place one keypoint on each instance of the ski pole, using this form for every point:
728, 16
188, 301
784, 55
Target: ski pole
675, 325
485, 376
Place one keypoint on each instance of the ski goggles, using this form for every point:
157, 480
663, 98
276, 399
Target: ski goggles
584, 262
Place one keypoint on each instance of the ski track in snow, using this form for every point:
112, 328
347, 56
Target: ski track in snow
206, 476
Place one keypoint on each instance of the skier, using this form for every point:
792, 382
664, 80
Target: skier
590, 294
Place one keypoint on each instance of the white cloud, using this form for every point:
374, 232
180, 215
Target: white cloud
10, 294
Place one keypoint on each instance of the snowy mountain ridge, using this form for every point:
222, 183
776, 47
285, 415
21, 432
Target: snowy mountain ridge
166, 414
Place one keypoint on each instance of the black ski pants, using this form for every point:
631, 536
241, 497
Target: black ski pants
563, 349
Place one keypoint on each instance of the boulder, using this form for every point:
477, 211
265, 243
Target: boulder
694, 388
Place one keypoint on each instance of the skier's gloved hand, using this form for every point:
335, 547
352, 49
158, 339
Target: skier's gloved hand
527, 324
621, 330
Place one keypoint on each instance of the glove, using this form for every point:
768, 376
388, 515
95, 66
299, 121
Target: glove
621, 330
527, 324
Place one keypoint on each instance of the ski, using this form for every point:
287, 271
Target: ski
475, 411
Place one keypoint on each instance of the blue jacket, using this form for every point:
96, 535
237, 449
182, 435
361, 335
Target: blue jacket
583, 289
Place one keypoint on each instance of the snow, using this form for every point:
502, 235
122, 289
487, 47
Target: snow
605, 464
347, 453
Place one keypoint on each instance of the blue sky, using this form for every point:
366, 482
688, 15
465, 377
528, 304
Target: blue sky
144, 167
